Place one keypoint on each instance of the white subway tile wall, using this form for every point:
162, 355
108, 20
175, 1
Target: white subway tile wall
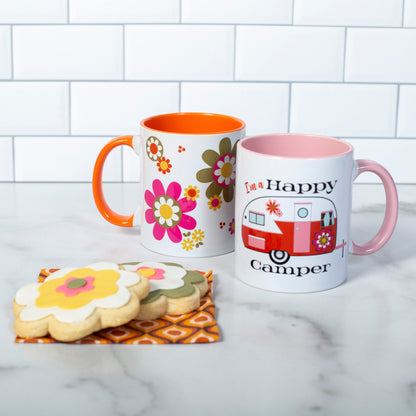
381, 55
37, 12
179, 52
36, 108
5, 53
68, 52
410, 13
407, 112
74, 73
124, 11
237, 11
263, 106
352, 110
63, 159
101, 108
6, 159
397, 156
289, 53
348, 12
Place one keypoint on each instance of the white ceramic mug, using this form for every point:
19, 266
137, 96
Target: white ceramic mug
293, 210
188, 163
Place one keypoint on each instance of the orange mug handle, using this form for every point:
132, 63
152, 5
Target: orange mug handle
97, 186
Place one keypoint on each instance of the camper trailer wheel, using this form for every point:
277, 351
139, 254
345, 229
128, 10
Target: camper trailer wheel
279, 256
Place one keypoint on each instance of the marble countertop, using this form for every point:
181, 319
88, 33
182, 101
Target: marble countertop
347, 351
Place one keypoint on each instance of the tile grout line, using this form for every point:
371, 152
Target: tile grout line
11, 52
293, 12
124, 78
13, 160
124, 52
180, 96
12, 78
235, 53
206, 81
122, 164
345, 55
403, 10
67, 12
180, 11
111, 136
288, 24
397, 112
70, 108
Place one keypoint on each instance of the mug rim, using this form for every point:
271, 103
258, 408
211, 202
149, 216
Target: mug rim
301, 154
239, 124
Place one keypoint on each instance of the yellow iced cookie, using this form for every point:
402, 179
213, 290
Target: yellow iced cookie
73, 303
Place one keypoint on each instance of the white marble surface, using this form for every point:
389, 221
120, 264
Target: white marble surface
346, 351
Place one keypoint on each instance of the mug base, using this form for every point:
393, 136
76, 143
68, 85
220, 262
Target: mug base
292, 292
190, 254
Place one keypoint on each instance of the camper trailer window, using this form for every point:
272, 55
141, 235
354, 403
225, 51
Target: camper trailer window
256, 218
327, 218
303, 212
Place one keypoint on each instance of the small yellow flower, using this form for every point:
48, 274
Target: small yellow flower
191, 192
215, 202
198, 235
164, 165
188, 244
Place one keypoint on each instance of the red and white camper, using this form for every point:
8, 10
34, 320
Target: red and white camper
290, 226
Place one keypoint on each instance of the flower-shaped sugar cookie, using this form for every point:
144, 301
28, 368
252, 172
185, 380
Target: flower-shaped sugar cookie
173, 289
72, 303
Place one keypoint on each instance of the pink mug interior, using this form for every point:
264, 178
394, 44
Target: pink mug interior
296, 146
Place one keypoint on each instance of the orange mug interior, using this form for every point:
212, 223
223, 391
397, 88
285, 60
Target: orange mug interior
193, 123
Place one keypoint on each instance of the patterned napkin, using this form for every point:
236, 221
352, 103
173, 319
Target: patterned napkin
199, 326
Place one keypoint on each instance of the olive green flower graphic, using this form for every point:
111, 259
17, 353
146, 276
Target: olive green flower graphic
221, 173
154, 148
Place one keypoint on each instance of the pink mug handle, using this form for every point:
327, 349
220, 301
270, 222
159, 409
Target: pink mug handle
392, 208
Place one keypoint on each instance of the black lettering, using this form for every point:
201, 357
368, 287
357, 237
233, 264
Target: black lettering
253, 262
317, 188
331, 186
273, 185
289, 187
268, 268
300, 273
301, 190
284, 270
316, 269
288, 270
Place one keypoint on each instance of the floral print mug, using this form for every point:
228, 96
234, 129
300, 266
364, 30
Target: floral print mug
188, 173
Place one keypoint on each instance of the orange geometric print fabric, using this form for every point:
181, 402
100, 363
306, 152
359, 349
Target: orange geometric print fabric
199, 326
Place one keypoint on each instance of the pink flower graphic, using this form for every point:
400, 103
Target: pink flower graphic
323, 241
167, 212
74, 285
152, 273
231, 227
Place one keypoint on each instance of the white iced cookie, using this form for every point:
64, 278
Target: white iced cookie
73, 303
173, 289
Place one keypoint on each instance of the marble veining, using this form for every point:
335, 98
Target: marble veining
347, 351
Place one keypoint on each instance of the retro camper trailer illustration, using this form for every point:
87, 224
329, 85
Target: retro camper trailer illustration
290, 226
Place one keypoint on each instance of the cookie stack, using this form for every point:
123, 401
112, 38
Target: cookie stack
75, 302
